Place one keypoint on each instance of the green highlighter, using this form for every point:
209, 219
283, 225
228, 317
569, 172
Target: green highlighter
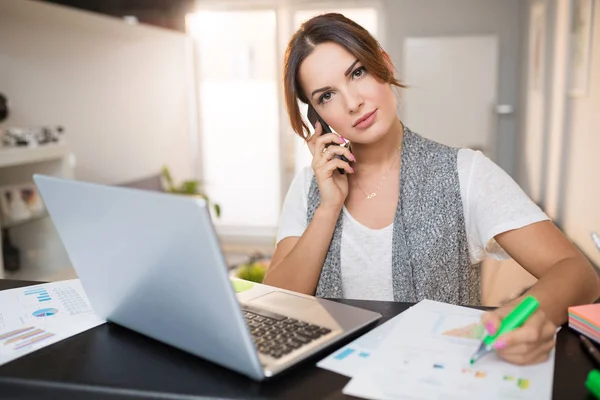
515, 319
592, 383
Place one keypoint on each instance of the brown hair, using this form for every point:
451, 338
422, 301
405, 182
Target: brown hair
334, 28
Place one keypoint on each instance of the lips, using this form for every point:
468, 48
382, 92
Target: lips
367, 116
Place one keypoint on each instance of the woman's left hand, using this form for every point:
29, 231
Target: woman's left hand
529, 344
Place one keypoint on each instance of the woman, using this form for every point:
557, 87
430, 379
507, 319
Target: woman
410, 218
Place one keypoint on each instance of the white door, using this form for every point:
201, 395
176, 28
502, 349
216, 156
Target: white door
452, 90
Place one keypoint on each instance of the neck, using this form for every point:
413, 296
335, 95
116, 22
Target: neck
378, 155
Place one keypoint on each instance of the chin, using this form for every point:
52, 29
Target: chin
371, 135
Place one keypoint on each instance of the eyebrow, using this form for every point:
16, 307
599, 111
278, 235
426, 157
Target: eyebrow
350, 67
329, 87
320, 90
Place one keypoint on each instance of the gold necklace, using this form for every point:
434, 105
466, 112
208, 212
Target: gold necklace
374, 193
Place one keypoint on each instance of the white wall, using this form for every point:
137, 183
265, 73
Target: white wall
580, 205
536, 92
123, 93
556, 112
565, 154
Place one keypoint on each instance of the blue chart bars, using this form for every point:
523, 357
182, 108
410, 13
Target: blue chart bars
41, 294
344, 353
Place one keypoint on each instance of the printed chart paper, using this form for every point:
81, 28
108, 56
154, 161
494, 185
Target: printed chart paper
37, 316
351, 358
426, 356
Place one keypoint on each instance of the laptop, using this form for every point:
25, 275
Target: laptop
152, 262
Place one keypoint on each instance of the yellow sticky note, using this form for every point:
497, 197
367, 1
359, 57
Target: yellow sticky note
240, 285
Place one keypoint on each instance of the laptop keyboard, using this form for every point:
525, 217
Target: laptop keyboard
276, 335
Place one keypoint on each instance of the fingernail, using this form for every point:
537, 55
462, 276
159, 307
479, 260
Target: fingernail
351, 169
490, 328
343, 139
352, 157
500, 344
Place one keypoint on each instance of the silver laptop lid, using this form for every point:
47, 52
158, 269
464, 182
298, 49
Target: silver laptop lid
151, 262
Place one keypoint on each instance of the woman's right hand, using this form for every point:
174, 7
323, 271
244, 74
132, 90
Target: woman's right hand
333, 186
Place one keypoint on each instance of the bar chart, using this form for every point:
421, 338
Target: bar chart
38, 316
40, 293
24, 337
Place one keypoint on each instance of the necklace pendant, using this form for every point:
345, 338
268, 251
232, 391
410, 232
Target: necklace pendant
369, 197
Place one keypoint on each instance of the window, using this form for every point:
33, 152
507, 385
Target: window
249, 153
239, 121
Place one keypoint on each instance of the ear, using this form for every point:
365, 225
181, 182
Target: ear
388, 61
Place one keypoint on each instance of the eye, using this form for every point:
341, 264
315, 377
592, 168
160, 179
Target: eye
358, 72
325, 97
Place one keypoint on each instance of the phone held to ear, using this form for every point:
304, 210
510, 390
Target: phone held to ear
313, 117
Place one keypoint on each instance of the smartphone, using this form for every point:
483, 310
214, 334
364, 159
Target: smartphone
313, 117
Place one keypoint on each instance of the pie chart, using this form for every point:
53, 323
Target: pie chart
45, 312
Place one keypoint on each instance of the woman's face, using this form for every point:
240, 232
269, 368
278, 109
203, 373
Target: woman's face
351, 100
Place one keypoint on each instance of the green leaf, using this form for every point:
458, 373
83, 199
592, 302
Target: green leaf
168, 178
189, 187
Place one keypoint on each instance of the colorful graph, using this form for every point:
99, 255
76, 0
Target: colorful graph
471, 331
476, 374
39, 292
523, 383
24, 337
45, 312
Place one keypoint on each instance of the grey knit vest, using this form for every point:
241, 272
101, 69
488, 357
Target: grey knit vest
430, 255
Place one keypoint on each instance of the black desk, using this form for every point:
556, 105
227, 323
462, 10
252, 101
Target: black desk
110, 362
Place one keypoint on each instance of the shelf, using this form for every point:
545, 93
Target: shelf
28, 155
11, 223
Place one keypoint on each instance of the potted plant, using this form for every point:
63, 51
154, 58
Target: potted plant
254, 270
189, 187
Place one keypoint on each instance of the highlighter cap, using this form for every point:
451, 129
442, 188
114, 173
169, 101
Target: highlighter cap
592, 383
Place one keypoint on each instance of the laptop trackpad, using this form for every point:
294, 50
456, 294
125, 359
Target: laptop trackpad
284, 301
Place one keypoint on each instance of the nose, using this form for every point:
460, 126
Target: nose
354, 100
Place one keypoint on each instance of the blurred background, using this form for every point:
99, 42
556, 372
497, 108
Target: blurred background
186, 96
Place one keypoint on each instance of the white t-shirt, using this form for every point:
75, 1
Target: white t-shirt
492, 202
